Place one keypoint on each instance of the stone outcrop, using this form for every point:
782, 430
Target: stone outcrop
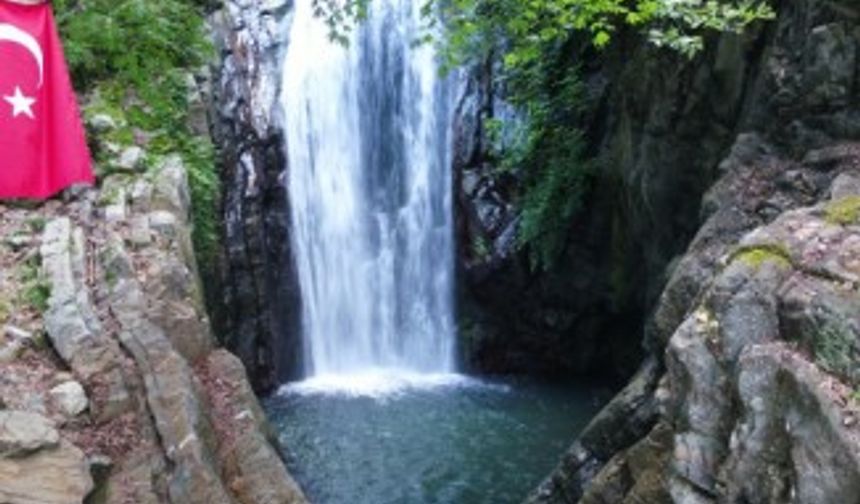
36, 465
260, 292
156, 302
58, 475
253, 468
71, 322
179, 416
125, 412
760, 374
756, 330
659, 127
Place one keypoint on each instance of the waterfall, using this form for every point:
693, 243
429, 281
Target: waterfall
370, 193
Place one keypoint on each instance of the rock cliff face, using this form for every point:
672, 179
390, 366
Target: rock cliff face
659, 127
748, 393
260, 301
127, 399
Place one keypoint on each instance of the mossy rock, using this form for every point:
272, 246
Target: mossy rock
113, 189
5, 310
837, 350
844, 211
756, 256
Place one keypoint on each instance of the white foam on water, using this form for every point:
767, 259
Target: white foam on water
383, 383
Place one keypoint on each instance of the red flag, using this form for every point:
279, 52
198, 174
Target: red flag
43, 149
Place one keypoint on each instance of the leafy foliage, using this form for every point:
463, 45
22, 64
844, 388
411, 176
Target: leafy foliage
549, 155
133, 58
340, 16
530, 37
137, 42
475, 26
678, 24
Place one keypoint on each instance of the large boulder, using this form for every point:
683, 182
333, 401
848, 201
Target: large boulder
760, 378
795, 280
36, 466
73, 327
58, 475
22, 433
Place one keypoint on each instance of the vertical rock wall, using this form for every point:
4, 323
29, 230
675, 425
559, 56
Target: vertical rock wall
259, 310
751, 150
658, 126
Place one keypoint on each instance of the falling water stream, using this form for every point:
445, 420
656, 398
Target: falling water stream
381, 416
370, 190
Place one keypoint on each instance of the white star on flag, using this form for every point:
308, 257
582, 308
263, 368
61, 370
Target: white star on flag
21, 104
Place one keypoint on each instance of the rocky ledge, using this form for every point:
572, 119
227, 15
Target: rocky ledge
111, 386
758, 395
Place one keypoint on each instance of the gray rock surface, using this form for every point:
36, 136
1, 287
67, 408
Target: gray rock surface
71, 322
171, 392
761, 376
22, 433
252, 467
57, 475
131, 159
70, 397
757, 324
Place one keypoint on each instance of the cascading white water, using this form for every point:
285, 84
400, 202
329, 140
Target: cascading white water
370, 193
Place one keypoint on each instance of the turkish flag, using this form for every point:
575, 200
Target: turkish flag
43, 149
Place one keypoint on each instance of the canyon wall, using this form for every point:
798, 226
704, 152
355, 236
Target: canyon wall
729, 201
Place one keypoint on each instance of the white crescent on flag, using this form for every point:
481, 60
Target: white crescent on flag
18, 36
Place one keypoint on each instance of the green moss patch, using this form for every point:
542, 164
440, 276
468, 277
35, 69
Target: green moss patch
35, 290
844, 211
5, 309
756, 256
836, 351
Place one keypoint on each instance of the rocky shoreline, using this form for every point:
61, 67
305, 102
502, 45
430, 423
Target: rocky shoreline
126, 399
749, 388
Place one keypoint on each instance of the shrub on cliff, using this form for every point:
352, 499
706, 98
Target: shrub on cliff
532, 38
134, 58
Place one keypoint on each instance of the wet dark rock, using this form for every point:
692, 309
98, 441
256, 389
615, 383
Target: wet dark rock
629, 417
258, 308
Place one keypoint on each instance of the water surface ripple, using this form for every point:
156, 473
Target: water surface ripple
455, 442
